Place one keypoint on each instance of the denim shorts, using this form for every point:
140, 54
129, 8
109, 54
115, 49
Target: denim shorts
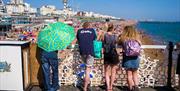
88, 60
130, 62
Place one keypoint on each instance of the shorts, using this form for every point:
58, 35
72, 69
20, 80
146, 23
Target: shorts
109, 60
88, 60
130, 62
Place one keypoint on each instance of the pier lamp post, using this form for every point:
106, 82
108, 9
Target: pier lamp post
178, 62
170, 48
65, 3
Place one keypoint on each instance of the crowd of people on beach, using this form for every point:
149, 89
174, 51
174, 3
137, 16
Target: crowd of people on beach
21, 34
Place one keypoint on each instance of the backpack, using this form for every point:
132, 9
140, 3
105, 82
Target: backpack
109, 47
132, 48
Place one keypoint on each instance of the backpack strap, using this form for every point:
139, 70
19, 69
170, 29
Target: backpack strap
105, 37
114, 41
112, 44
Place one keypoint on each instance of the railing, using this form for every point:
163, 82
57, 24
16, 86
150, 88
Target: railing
152, 71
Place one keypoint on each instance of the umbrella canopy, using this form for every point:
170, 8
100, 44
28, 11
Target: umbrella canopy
55, 36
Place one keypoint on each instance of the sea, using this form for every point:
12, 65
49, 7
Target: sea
162, 32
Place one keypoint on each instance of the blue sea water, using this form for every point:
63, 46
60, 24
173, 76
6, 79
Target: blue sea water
161, 31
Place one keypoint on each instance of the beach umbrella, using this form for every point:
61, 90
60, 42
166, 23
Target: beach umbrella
55, 36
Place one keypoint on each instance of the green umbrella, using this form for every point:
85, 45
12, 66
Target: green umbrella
55, 36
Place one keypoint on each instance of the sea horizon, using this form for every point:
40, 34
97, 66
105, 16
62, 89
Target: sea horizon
157, 21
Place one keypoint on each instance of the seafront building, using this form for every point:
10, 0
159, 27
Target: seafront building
2, 7
16, 8
19, 7
18, 14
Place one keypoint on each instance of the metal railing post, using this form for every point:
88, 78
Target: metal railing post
171, 47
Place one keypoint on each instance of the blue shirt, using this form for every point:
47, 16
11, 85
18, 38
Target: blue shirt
85, 39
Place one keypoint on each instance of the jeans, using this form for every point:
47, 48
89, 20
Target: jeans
50, 60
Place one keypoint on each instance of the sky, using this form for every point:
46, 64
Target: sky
159, 10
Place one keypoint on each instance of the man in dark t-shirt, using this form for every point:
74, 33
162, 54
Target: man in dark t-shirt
85, 37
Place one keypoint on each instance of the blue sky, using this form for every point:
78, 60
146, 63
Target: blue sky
160, 10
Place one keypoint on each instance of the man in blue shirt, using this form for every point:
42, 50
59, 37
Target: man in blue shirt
85, 37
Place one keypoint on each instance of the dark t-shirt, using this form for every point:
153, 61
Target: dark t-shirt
109, 42
110, 53
85, 39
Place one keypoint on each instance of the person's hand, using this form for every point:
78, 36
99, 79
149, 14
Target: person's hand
102, 51
119, 51
61, 54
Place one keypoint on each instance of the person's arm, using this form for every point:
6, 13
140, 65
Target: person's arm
77, 35
119, 48
61, 54
101, 35
95, 34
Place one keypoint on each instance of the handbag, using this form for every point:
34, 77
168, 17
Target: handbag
97, 48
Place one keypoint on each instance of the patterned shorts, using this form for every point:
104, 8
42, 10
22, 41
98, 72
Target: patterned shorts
88, 60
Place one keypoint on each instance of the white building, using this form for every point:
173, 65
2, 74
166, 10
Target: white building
48, 9
89, 14
69, 12
58, 12
97, 15
16, 1
12, 8
17, 6
51, 10
29, 9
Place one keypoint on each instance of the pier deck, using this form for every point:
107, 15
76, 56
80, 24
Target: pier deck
102, 88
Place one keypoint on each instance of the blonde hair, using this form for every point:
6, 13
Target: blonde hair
128, 34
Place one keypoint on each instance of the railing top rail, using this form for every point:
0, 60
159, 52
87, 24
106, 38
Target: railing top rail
156, 46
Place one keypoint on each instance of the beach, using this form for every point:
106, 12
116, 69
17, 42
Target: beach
152, 53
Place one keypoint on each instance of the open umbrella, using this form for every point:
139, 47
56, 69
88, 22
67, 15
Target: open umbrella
55, 36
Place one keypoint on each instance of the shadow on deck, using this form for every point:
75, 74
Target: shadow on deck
102, 88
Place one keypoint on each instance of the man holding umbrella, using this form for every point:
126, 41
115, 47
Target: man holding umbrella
54, 37
85, 37
50, 59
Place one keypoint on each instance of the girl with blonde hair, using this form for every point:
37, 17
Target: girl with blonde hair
131, 38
